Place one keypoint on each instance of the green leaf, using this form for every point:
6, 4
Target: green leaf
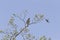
14, 15
1, 31
43, 38
39, 17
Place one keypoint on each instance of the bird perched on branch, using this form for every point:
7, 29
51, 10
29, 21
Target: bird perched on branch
28, 22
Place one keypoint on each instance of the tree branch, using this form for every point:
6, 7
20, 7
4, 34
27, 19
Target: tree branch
23, 29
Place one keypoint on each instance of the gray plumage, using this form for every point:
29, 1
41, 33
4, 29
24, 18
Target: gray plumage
28, 21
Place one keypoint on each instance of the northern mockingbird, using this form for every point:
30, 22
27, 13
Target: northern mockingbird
28, 22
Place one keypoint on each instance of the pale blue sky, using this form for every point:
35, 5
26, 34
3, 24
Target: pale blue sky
50, 8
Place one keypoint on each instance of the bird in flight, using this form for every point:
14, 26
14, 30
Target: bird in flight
47, 20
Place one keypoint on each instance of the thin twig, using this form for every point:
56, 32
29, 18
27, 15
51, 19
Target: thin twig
19, 18
23, 37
